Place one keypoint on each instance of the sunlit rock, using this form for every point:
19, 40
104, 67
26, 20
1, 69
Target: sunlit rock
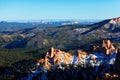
103, 54
97, 63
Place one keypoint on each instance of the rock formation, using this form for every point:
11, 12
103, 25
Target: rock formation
114, 20
106, 48
99, 64
102, 55
56, 56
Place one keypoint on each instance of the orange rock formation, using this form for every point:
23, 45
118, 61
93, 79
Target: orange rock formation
113, 21
41, 61
56, 56
111, 77
106, 47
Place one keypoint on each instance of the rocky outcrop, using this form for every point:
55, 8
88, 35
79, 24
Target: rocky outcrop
114, 20
103, 54
100, 64
56, 56
106, 48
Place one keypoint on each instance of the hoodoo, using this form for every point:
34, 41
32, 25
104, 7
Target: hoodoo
103, 54
102, 62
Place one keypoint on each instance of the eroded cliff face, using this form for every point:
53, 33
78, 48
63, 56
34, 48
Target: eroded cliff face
103, 54
101, 63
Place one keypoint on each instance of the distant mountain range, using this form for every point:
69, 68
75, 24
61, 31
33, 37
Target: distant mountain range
13, 26
21, 44
71, 35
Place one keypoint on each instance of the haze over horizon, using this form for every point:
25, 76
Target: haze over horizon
58, 9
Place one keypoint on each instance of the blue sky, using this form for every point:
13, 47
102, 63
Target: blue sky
58, 9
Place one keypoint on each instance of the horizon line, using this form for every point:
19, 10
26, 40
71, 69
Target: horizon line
19, 20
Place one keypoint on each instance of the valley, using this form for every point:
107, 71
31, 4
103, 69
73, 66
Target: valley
23, 46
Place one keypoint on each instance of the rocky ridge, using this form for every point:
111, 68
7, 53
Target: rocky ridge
102, 55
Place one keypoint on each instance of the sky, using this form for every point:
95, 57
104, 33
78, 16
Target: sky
58, 9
